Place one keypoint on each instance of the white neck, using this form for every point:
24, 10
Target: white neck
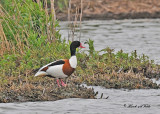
73, 61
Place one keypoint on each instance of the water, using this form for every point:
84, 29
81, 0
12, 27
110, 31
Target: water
119, 102
141, 35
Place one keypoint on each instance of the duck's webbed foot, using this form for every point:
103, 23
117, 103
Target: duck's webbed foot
63, 84
58, 83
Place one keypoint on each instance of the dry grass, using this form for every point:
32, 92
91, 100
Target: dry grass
42, 90
75, 20
18, 38
115, 9
128, 80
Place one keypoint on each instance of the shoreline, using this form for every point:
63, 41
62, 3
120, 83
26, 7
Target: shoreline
49, 91
112, 16
107, 10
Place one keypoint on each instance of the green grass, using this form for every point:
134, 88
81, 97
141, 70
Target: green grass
28, 41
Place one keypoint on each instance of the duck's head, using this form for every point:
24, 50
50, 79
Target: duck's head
74, 45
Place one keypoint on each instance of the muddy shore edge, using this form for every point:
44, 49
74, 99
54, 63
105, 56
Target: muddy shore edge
110, 9
110, 16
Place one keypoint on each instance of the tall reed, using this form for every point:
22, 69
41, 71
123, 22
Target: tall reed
26, 24
75, 19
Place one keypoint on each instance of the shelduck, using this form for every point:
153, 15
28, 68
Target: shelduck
61, 68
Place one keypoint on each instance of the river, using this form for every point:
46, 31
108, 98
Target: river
142, 35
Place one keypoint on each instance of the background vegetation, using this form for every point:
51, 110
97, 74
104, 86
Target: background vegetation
26, 29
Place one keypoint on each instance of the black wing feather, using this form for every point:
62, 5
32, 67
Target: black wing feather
57, 63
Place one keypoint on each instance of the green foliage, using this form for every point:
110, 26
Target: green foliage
91, 46
110, 61
27, 27
62, 4
116, 70
26, 20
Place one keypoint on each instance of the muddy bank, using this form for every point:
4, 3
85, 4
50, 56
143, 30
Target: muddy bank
111, 15
108, 16
112, 9
46, 90
128, 79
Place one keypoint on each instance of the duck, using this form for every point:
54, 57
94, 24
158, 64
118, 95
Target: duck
62, 68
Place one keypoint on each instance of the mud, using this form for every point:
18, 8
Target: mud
111, 9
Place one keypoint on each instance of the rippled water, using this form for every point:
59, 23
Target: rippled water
141, 35
118, 102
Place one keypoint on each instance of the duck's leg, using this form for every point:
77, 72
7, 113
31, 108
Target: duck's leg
58, 83
63, 84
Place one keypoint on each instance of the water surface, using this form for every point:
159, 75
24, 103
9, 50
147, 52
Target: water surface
142, 35
119, 102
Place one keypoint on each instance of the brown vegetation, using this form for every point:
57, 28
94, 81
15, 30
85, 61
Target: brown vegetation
114, 9
43, 89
